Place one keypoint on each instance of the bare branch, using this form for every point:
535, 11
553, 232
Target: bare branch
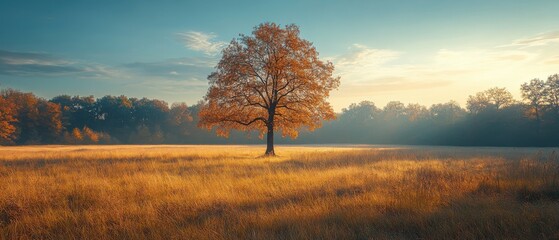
246, 123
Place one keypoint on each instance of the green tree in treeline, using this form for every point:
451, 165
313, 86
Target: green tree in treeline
491, 118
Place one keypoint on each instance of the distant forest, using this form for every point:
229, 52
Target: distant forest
491, 118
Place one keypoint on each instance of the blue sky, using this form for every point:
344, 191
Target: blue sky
414, 51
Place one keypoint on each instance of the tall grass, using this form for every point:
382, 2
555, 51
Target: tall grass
231, 192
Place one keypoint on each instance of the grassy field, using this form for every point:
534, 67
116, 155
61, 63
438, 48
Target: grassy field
231, 192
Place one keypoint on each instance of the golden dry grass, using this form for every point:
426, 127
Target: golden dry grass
230, 192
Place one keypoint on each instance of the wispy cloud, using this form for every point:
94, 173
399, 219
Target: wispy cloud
364, 65
368, 73
180, 79
479, 59
361, 54
178, 68
30, 58
553, 60
177, 79
28, 63
538, 40
203, 42
44, 64
362, 62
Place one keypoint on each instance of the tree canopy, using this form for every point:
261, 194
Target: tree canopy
271, 80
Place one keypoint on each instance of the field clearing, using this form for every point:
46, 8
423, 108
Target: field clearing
307, 192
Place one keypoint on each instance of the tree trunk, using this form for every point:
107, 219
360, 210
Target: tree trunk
270, 141
270, 133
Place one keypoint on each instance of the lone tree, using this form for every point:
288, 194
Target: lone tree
271, 80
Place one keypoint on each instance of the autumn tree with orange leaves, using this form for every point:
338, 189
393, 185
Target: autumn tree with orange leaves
7, 120
272, 80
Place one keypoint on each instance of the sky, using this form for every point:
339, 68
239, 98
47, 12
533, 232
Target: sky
421, 51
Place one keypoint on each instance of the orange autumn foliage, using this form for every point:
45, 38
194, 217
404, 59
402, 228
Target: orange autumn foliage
7, 128
271, 80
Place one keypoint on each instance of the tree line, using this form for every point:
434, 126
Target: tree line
28, 119
490, 118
